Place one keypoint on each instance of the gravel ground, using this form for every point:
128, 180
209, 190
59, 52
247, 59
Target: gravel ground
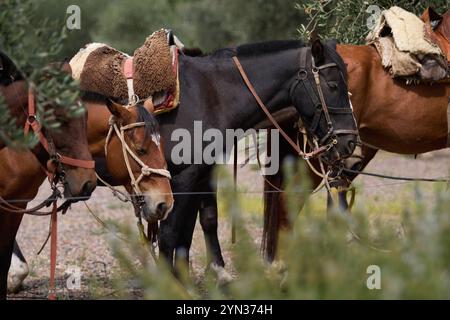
83, 242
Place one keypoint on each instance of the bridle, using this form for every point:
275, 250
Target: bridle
318, 100
56, 161
119, 130
56, 158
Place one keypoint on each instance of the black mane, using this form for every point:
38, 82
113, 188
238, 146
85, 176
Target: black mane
151, 124
253, 49
8, 70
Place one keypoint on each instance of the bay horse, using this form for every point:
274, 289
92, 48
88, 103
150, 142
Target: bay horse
213, 92
67, 155
141, 136
111, 168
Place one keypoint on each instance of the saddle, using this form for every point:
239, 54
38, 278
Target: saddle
151, 74
406, 47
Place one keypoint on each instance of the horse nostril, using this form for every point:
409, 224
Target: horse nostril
161, 209
87, 189
351, 146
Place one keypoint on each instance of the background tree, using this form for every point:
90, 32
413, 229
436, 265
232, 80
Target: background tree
32, 44
349, 21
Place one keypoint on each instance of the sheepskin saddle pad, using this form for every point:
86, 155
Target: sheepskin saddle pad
100, 68
405, 47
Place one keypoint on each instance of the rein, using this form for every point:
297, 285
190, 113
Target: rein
272, 119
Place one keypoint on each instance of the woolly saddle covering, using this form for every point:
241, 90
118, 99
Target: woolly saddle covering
401, 39
99, 68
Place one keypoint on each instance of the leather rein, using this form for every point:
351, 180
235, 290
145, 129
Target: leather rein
318, 100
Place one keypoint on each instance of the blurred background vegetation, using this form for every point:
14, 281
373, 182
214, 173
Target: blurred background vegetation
322, 258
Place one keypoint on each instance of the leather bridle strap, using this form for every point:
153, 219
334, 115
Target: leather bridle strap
271, 118
127, 152
37, 129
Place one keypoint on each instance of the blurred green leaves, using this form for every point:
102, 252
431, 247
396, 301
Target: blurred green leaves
322, 258
346, 20
32, 43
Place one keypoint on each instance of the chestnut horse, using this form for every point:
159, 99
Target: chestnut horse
78, 181
145, 142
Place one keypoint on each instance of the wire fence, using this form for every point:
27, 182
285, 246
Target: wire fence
220, 191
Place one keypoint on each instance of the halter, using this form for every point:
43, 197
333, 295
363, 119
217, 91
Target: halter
319, 100
48, 143
126, 150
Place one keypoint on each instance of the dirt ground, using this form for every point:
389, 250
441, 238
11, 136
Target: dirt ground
83, 242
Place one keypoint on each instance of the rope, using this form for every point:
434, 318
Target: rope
446, 179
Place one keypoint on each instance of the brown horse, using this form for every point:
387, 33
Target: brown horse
16, 182
143, 140
392, 116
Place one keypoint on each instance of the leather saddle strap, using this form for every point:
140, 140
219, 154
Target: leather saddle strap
264, 108
129, 73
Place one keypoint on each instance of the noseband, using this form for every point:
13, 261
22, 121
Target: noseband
126, 150
318, 99
47, 142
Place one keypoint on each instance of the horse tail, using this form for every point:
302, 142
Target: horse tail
273, 215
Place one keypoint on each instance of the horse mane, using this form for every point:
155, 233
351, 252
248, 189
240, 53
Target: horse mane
143, 115
9, 72
151, 124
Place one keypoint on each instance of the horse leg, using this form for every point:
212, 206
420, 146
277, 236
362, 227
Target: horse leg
185, 234
209, 223
183, 216
9, 224
18, 270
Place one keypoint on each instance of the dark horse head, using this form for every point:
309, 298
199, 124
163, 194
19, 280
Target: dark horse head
68, 140
320, 94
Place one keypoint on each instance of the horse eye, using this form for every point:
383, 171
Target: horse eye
141, 151
332, 84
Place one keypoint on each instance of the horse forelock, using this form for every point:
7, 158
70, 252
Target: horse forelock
78, 61
151, 124
331, 51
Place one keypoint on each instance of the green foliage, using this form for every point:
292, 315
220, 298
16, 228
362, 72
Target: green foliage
32, 44
323, 258
346, 20
208, 24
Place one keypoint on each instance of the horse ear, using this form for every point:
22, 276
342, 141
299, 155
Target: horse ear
117, 110
317, 51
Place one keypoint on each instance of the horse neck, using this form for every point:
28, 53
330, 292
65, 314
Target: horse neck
98, 127
16, 98
234, 105
363, 67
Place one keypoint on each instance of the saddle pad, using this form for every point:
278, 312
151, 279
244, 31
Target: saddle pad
99, 68
402, 42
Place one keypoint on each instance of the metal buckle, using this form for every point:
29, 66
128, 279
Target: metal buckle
31, 119
302, 74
